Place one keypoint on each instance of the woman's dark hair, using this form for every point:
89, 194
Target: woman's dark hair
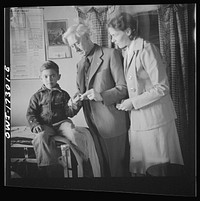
122, 21
49, 65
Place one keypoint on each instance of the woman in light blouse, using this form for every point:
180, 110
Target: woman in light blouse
153, 136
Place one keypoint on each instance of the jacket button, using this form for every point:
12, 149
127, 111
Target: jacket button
133, 89
130, 77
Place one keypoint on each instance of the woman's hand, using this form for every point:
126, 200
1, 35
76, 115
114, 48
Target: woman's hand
126, 105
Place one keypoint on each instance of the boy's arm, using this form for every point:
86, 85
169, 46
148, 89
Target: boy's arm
32, 113
73, 105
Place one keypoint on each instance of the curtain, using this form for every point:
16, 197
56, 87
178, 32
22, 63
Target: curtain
173, 32
96, 19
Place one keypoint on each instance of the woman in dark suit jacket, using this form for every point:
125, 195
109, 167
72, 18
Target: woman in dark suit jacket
100, 88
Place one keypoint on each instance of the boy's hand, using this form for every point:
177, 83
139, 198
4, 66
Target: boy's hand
76, 99
38, 129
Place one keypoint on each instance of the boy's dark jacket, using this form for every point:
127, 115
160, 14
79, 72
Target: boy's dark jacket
49, 107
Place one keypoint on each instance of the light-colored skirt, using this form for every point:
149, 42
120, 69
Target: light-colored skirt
150, 147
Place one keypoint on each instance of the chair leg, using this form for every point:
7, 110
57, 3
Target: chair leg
65, 160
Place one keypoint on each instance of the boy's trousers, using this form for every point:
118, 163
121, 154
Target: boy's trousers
45, 145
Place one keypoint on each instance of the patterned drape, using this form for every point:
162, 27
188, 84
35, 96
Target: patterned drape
96, 19
173, 31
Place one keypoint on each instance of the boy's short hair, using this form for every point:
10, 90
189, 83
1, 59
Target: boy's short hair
49, 65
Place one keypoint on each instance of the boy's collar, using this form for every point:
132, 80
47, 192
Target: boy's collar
44, 88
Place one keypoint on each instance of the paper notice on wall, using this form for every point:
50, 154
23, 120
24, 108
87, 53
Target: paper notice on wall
27, 42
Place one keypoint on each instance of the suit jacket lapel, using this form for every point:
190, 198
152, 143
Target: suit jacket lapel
136, 45
97, 60
130, 59
125, 64
128, 62
81, 76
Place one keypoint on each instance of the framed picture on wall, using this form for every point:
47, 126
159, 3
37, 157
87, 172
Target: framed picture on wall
55, 47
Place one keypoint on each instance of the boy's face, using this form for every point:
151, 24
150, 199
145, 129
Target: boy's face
49, 78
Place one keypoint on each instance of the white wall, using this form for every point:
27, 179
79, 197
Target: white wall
22, 90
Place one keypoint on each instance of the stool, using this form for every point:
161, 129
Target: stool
166, 170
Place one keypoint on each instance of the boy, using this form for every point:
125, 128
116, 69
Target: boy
47, 115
